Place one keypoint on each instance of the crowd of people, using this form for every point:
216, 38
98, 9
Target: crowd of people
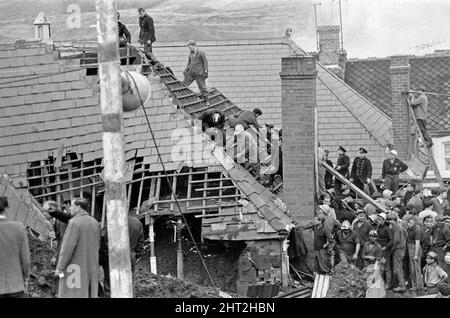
409, 243
82, 247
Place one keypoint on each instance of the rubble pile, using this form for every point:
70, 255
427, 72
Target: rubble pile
42, 283
347, 282
157, 286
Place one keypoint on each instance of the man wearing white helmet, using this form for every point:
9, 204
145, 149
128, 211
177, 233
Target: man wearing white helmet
392, 167
372, 251
348, 245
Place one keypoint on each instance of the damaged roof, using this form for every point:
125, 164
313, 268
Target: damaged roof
370, 77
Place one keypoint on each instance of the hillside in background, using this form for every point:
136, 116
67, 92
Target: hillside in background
175, 20
371, 28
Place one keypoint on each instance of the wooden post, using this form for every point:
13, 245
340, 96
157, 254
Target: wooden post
179, 250
151, 236
113, 149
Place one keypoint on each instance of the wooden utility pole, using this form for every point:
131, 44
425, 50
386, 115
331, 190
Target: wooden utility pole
113, 149
179, 250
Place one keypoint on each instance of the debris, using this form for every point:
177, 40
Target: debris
347, 282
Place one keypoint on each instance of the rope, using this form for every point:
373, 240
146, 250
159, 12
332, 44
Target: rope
171, 190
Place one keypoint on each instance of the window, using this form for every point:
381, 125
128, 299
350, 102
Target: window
447, 156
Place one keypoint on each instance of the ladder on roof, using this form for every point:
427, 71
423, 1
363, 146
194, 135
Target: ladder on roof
353, 187
424, 154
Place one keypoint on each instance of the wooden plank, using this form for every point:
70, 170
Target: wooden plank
141, 185
61, 173
189, 190
353, 187
93, 194
174, 190
158, 191
205, 195
81, 175
66, 181
69, 170
65, 190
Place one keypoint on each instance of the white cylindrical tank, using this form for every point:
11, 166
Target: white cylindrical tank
132, 82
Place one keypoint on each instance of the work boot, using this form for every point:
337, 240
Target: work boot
399, 289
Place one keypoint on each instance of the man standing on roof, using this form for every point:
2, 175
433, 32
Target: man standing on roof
392, 167
419, 103
196, 69
124, 34
342, 165
147, 31
361, 170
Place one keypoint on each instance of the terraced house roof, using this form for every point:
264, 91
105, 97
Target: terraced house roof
371, 79
247, 73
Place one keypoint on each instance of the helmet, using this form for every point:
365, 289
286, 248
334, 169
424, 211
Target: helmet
432, 255
373, 233
345, 225
382, 215
216, 118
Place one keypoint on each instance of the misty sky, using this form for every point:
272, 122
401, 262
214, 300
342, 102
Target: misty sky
382, 27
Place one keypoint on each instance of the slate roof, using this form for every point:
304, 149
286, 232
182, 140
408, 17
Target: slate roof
247, 72
256, 193
371, 79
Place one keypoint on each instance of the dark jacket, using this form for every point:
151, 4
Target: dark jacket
14, 257
197, 63
328, 175
361, 169
147, 32
393, 168
344, 164
385, 236
136, 236
123, 32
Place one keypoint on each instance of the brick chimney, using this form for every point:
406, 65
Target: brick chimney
399, 73
330, 53
298, 87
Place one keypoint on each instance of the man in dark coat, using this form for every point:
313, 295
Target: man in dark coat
77, 267
392, 167
147, 31
361, 170
342, 165
124, 34
196, 69
14, 255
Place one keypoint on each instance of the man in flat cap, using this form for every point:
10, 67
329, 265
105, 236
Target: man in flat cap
361, 172
419, 103
392, 167
342, 165
196, 69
